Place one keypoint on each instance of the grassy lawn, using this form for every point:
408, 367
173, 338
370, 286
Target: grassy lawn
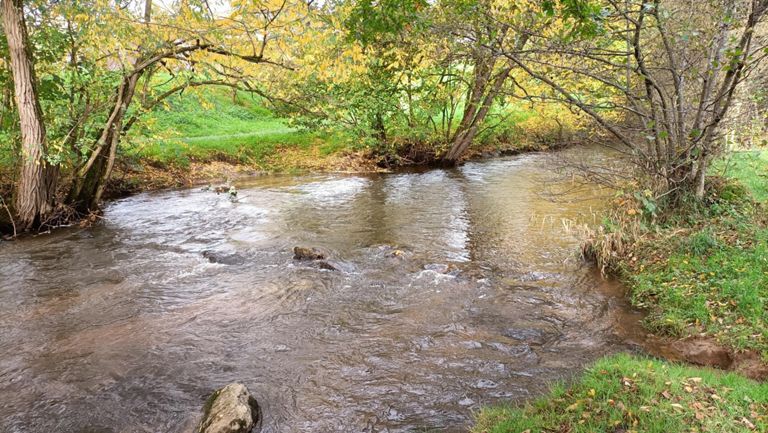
635, 394
208, 124
211, 125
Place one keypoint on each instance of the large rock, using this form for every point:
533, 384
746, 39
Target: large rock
309, 253
231, 409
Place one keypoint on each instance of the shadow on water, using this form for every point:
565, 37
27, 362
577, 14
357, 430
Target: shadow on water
460, 288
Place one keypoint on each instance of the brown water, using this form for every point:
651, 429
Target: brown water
126, 327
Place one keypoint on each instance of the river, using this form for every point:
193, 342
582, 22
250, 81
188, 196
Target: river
457, 289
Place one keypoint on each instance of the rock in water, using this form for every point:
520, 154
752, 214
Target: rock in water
440, 268
231, 409
304, 253
223, 259
327, 266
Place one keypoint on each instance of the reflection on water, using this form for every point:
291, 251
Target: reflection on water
126, 327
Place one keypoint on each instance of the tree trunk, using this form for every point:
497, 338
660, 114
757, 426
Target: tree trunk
92, 177
482, 74
36, 187
701, 176
379, 130
464, 138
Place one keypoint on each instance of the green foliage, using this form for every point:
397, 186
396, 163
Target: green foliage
8, 150
584, 16
637, 394
382, 21
647, 202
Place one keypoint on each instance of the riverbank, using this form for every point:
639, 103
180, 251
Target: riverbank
215, 136
624, 393
702, 277
138, 173
701, 272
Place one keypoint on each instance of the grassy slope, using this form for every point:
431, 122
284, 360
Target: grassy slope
208, 126
750, 168
633, 394
713, 278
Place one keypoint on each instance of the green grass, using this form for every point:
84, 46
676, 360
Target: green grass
209, 125
716, 283
715, 278
751, 169
623, 393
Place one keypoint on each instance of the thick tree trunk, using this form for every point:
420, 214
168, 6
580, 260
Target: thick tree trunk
482, 75
36, 187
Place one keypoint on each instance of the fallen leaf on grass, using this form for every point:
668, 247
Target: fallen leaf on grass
747, 423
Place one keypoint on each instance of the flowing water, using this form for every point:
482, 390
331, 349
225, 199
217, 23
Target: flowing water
455, 289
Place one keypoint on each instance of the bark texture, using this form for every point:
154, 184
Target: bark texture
36, 188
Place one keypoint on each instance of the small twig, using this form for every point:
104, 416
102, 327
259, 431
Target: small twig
13, 223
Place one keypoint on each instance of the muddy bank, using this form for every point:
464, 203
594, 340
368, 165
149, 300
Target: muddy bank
704, 351
141, 176
132, 176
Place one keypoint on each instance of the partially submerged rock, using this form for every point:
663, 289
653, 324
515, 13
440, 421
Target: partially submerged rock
440, 268
321, 258
223, 259
221, 189
329, 266
527, 335
309, 253
337, 265
231, 409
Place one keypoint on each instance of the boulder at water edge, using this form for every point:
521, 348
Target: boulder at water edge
231, 409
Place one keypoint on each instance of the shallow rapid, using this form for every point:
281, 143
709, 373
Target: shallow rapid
456, 289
